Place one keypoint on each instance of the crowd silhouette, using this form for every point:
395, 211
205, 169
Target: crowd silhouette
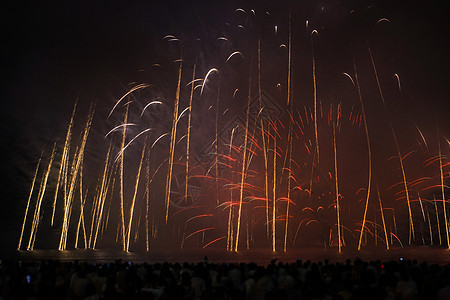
403, 279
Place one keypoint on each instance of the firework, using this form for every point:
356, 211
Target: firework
369, 151
245, 163
28, 203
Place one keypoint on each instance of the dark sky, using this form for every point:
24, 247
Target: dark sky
54, 52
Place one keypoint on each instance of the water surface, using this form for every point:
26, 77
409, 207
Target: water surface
259, 256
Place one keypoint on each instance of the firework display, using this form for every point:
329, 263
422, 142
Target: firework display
255, 144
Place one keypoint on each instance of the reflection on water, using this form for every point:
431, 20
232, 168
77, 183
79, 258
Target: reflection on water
259, 256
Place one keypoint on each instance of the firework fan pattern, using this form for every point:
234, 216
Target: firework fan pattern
250, 138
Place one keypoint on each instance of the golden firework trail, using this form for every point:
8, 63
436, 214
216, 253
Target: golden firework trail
230, 212
81, 218
443, 193
133, 202
102, 195
188, 137
66, 209
105, 217
147, 200
122, 157
37, 211
405, 182
94, 212
64, 157
173, 136
382, 218
289, 62
274, 194
111, 184
28, 202
316, 130
291, 125
244, 160
368, 151
106, 220
437, 220
289, 185
429, 225
421, 206
76, 165
138, 225
266, 176
216, 144
338, 207
82, 203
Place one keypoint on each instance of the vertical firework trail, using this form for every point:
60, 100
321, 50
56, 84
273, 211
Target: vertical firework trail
81, 222
405, 182
102, 195
94, 209
122, 158
76, 165
28, 202
274, 194
429, 226
106, 220
216, 144
188, 137
421, 206
368, 151
261, 118
442, 190
133, 202
230, 212
316, 130
288, 202
382, 218
173, 136
437, 221
37, 211
338, 207
147, 199
291, 127
289, 62
244, 161
64, 158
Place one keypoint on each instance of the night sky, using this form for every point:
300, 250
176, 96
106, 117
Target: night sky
56, 52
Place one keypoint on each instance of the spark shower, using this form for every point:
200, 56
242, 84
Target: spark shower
257, 143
